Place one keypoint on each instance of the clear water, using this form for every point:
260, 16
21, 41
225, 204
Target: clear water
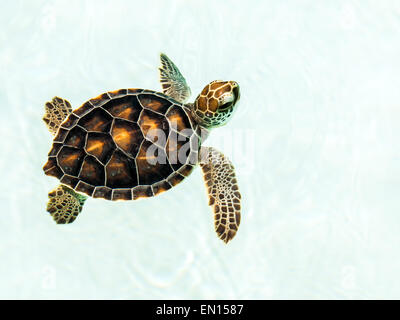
315, 142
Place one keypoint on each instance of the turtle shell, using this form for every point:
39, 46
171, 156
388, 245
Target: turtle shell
124, 145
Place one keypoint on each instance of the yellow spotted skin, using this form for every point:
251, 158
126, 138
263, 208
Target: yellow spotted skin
215, 104
64, 204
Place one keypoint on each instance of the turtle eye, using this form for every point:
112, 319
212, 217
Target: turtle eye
225, 106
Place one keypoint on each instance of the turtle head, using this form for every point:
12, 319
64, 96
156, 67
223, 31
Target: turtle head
215, 104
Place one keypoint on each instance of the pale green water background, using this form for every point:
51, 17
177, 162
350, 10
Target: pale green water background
315, 142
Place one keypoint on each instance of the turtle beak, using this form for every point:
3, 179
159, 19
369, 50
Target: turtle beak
236, 92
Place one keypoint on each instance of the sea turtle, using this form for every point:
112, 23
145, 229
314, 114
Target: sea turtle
134, 143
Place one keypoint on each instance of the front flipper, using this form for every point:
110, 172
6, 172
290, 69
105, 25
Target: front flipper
223, 192
65, 204
55, 113
172, 81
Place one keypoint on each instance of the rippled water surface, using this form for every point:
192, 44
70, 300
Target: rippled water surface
315, 142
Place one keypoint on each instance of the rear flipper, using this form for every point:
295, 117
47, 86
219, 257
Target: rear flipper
55, 113
65, 204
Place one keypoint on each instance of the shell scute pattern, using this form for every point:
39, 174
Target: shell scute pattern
70, 122
61, 135
51, 168
154, 103
98, 120
118, 93
155, 127
85, 188
126, 107
122, 194
76, 137
82, 110
101, 149
69, 180
102, 192
149, 173
127, 136
70, 160
92, 171
120, 171
179, 120
100, 145
142, 192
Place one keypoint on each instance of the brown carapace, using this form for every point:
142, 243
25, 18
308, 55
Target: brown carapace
133, 143
104, 148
